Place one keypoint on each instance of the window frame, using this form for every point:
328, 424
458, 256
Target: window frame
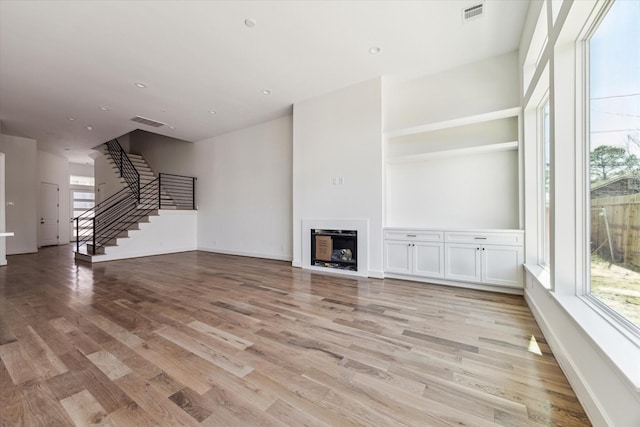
544, 244
583, 106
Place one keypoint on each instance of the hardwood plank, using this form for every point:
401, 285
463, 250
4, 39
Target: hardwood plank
109, 364
85, 410
208, 339
205, 351
156, 406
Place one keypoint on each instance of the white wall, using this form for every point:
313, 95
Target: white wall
244, 191
54, 169
162, 153
170, 231
489, 85
21, 193
107, 179
469, 191
339, 135
81, 169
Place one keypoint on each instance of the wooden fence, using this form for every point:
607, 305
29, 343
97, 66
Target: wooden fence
615, 228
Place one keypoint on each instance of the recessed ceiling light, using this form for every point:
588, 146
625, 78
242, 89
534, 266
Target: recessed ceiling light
71, 119
212, 112
250, 22
374, 50
89, 127
266, 92
140, 85
104, 108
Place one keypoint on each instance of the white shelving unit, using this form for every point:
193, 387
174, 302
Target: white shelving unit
489, 132
457, 122
503, 146
460, 173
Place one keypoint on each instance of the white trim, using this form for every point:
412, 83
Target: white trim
480, 149
376, 274
462, 121
138, 254
585, 395
278, 257
458, 284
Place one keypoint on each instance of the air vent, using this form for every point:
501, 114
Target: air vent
148, 122
472, 12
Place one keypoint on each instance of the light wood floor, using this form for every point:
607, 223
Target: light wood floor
206, 339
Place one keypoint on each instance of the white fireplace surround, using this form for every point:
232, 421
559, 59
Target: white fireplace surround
360, 225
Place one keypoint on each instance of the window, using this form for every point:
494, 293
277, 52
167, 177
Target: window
545, 176
81, 201
82, 180
614, 162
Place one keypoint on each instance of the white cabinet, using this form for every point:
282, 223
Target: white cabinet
485, 257
462, 262
414, 253
488, 257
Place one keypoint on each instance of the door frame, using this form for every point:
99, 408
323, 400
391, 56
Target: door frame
41, 209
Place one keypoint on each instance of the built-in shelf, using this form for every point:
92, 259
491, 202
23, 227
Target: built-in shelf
491, 148
7, 234
462, 121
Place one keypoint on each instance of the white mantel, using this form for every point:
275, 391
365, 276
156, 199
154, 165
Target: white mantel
360, 225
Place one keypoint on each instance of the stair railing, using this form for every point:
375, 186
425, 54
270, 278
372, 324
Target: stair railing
179, 188
98, 226
126, 167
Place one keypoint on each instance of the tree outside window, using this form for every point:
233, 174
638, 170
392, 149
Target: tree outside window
614, 163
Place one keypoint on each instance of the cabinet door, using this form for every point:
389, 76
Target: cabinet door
462, 262
428, 259
397, 256
502, 265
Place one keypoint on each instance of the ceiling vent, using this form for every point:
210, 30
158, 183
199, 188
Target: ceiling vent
472, 12
148, 122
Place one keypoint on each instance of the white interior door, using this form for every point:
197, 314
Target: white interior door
48, 214
100, 191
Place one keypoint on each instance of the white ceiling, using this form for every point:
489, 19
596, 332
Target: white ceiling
62, 59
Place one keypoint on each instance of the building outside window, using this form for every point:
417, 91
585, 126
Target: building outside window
614, 162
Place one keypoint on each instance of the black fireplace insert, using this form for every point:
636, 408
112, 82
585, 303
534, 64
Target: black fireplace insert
334, 249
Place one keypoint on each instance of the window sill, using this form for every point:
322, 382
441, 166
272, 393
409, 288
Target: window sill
620, 350
540, 273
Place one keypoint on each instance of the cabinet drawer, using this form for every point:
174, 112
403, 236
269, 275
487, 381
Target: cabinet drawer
515, 238
422, 235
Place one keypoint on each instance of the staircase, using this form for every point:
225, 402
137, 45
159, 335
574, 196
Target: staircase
143, 200
146, 175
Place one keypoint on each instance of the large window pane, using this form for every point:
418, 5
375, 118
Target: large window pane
614, 109
546, 177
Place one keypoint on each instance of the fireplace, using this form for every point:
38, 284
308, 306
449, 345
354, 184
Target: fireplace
334, 249
345, 233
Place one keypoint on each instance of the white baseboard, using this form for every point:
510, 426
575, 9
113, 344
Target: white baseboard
278, 257
375, 274
578, 383
139, 254
20, 251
